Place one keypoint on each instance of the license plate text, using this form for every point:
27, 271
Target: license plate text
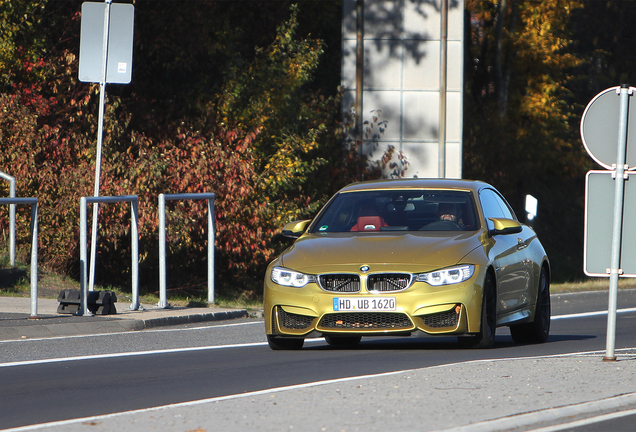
364, 304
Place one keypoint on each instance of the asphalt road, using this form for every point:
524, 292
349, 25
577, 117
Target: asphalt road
65, 378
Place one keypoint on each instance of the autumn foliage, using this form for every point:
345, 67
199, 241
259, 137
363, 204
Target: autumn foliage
261, 139
244, 102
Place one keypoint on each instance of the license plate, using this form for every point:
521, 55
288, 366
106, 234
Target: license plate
364, 304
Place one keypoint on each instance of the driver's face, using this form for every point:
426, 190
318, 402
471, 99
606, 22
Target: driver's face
447, 212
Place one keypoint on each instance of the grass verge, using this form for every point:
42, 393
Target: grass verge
14, 282
591, 284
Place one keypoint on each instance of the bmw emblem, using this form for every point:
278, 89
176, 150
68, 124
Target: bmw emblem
364, 269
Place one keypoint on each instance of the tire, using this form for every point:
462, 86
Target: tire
488, 326
538, 330
343, 341
280, 343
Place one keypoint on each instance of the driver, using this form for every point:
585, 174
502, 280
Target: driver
450, 212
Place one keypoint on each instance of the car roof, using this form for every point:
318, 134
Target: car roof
415, 183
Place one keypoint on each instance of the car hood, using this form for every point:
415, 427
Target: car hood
347, 252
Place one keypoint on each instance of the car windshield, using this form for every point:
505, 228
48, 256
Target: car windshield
399, 210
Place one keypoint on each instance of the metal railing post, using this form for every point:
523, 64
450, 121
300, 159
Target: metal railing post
12, 224
33, 202
134, 251
163, 302
83, 260
134, 247
211, 236
34, 259
11, 181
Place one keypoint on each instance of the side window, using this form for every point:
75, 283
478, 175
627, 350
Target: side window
505, 207
490, 207
494, 206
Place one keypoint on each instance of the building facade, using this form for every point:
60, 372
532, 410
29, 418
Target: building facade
406, 74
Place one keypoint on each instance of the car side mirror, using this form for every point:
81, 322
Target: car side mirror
295, 229
505, 226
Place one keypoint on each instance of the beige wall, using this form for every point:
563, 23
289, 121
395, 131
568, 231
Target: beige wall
402, 44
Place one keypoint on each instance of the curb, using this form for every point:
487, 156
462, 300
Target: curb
561, 416
190, 319
106, 326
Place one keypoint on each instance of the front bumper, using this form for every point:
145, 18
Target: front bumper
309, 311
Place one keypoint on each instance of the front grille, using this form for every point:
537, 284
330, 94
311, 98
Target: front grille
439, 320
343, 283
293, 321
367, 321
388, 282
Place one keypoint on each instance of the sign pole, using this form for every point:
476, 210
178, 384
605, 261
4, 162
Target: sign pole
443, 81
100, 133
614, 269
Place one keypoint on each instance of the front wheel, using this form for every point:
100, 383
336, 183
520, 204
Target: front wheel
281, 343
538, 330
486, 336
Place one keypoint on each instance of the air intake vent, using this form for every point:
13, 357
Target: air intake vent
440, 320
366, 321
293, 321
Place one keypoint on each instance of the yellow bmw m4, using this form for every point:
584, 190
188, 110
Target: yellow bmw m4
409, 256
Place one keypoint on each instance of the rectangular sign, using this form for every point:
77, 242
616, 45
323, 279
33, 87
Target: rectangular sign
120, 43
599, 206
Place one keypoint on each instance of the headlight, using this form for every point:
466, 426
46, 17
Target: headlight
447, 276
291, 278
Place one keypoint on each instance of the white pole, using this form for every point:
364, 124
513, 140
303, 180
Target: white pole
100, 132
443, 62
617, 228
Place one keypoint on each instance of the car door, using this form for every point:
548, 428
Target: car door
509, 255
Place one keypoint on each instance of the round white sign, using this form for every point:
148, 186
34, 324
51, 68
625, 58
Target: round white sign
599, 128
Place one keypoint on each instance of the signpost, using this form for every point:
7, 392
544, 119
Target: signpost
605, 122
106, 41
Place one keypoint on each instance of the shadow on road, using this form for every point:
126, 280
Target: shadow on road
438, 343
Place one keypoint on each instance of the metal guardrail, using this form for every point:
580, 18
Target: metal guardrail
133, 199
162, 242
33, 202
11, 181
134, 247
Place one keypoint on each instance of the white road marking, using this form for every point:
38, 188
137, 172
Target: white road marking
209, 327
215, 347
487, 425
128, 354
140, 353
590, 314
204, 401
